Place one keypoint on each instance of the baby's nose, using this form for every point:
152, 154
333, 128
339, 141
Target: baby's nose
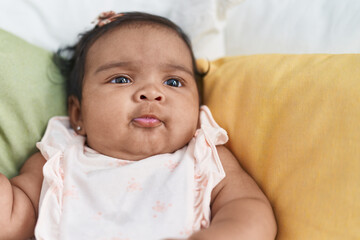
144, 97
149, 94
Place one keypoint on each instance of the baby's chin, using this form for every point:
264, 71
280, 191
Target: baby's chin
140, 144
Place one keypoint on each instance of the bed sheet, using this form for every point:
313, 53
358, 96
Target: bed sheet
292, 26
51, 24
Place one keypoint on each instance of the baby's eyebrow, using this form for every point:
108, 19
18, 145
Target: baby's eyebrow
179, 67
113, 65
172, 66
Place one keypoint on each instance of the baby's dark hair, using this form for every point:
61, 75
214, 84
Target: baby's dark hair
71, 59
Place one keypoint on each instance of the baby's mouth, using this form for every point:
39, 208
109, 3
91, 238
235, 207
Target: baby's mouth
147, 121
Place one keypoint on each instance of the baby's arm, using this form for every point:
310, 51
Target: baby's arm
19, 199
239, 208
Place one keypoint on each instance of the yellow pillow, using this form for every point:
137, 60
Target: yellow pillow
294, 125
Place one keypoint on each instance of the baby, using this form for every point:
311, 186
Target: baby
138, 157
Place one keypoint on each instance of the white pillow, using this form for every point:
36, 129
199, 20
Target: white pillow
293, 26
51, 24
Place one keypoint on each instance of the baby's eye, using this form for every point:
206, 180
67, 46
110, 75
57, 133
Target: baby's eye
121, 79
173, 82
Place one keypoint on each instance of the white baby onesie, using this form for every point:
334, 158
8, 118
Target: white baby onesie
86, 195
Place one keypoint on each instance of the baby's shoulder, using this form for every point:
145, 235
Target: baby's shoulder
228, 160
234, 173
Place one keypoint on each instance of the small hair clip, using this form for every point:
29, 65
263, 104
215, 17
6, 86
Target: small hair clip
106, 17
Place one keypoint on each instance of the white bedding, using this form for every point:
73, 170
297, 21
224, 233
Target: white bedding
216, 27
293, 26
55, 23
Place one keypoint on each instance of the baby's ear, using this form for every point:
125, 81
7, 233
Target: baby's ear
74, 111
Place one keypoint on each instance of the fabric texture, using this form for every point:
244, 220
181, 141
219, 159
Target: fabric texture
293, 123
87, 195
292, 26
57, 23
31, 92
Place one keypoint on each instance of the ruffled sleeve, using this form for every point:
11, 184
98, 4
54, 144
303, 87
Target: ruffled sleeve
213, 131
208, 168
57, 138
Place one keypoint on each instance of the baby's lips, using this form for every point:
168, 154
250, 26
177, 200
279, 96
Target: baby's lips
147, 121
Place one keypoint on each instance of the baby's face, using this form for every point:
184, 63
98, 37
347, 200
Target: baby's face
139, 95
